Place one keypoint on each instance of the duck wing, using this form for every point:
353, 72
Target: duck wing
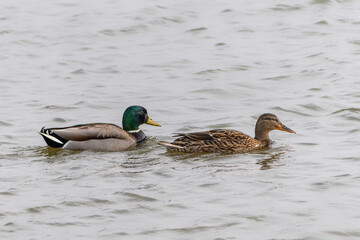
196, 136
217, 134
85, 132
219, 140
58, 137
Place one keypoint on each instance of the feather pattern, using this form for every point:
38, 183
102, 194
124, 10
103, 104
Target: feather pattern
218, 140
227, 140
91, 131
101, 136
94, 136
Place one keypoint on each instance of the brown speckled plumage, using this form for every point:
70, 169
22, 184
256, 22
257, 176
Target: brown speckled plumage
227, 140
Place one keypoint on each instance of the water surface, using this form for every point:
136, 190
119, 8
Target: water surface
195, 66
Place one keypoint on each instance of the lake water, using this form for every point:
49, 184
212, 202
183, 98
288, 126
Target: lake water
195, 65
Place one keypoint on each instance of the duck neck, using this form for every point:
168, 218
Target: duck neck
262, 134
131, 127
139, 135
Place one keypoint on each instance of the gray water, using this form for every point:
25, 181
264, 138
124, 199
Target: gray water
195, 65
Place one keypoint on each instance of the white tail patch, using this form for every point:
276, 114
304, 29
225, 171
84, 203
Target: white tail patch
54, 139
170, 145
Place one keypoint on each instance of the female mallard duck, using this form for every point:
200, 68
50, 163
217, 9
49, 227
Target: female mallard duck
227, 140
101, 136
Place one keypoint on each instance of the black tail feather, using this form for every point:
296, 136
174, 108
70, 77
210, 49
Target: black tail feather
52, 139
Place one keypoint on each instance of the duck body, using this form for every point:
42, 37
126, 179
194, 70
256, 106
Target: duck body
227, 140
101, 136
218, 140
94, 136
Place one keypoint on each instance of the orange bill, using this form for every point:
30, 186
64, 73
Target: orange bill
286, 129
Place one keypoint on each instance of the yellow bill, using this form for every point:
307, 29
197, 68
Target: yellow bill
152, 122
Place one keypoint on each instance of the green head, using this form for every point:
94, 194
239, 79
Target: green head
134, 116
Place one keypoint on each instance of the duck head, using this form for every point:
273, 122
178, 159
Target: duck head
134, 116
268, 122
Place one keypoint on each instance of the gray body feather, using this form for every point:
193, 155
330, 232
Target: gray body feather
107, 145
95, 136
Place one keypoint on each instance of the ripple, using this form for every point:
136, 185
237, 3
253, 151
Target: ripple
284, 7
200, 29
312, 106
121, 211
321, 1
215, 91
291, 111
308, 143
40, 209
75, 203
60, 120
345, 233
206, 185
108, 32
322, 22
134, 29
58, 107
161, 174
315, 89
315, 55
219, 126
241, 68
177, 206
5, 193
9, 224
63, 224
4, 123
220, 44
138, 197
324, 185
100, 201
351, 114
192, 229
79, 71
173, 19
351, 110
280, 77
209, 71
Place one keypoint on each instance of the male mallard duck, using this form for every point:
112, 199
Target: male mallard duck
227, 140
101, 136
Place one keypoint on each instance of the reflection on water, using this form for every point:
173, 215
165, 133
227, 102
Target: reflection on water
271, 160
51, 155
50, 152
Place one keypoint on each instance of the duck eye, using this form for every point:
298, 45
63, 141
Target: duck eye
142, 118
